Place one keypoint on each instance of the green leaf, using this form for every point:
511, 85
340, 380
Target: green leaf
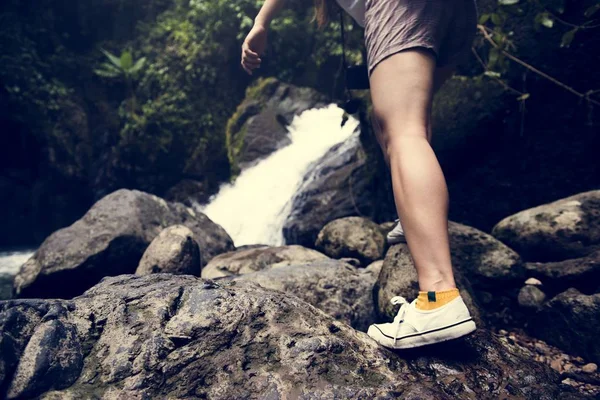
109, 67
507, 2
492, 74
592, 10
113, 59
105, 73
126, 60
523, 97
568, 38
484, 18
546, 20
496, 19
139, 64
493, 57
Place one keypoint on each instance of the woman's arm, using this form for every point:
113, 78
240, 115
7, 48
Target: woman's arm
267, 12
256, 42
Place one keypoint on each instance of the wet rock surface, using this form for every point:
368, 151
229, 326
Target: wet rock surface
258, 126
181, 336
339, 185
110, 240
252, 259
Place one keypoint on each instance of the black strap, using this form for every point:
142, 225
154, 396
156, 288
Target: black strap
343, 38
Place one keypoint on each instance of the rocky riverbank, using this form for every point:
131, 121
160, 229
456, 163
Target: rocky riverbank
289, 321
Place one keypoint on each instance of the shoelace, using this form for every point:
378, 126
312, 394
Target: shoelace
401, 312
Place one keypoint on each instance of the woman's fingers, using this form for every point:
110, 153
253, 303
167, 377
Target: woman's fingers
250, 59
250, 55
251, 63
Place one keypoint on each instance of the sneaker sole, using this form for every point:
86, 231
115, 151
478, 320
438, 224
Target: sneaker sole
435, 336
396, 240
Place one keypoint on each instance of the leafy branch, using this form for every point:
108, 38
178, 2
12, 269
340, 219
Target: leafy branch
586, 96
122, 67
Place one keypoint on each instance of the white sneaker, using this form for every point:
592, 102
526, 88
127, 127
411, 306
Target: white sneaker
414, 328
396, 235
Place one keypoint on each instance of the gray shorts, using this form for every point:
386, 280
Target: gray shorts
446, 27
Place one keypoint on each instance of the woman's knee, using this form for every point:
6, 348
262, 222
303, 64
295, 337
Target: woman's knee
403, 137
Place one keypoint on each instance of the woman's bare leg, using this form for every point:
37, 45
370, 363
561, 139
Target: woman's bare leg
402, 88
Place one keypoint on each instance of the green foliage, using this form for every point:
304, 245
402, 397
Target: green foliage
548, 17
120, 66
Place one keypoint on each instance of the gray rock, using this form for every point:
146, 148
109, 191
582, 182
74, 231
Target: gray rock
355, 262
188, 192
571, 321
335, 287
387, 226
6, 286
258, 126
174, 251
110, 240
581, 273
374, 268
562, 229
163, 335
485, 261
338, 185
531, 297
398, 277
356, 237
258, 258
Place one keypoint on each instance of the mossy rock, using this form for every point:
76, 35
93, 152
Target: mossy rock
258, 126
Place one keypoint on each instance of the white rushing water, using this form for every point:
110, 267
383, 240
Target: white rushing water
253, 209
11, 261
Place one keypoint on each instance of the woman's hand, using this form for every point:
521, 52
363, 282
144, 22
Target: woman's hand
253, 47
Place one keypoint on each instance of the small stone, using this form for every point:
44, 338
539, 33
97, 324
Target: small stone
531, 297
533, 281
541, 348
502, 332
590, 368
579, 359
542, 359
568, 366
556, 364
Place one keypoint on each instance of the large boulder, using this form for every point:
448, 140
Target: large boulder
340, 184
110, 240
339, 289
571, 321
486, 262
257, 258
565, 228
466, 117
258, 126
164, 335
356, 237
582, 273
174, 250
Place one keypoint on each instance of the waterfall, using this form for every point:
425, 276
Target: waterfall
11, 261
254, 208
